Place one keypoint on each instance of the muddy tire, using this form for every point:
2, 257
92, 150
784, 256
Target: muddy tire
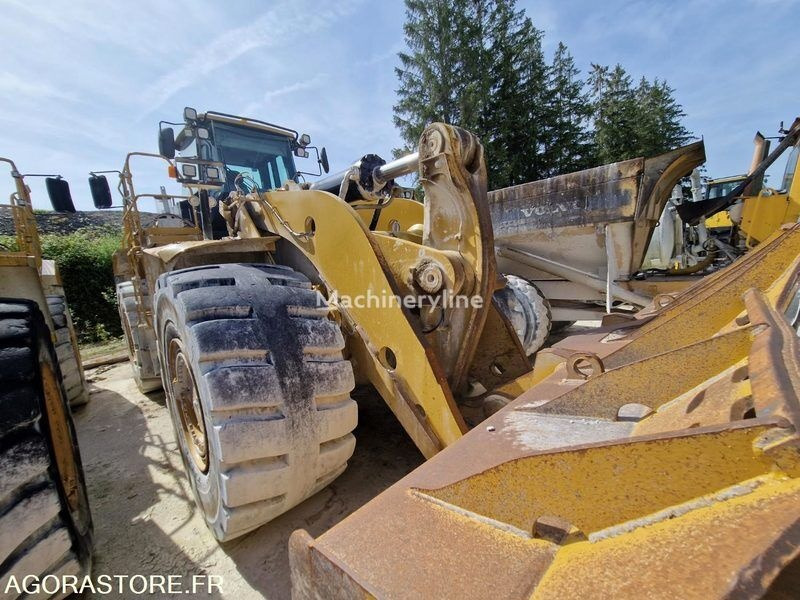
68, 361
45, 523
140, 341
528, 310
257, 387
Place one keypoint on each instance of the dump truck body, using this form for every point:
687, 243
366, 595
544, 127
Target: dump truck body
580, 237
655, 457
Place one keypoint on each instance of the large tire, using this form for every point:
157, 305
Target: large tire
66, 352
45, 523
141, 344
528, 310
257, 387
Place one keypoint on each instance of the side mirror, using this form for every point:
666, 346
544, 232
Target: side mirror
60, 196
101, 193
166, 142
323, 160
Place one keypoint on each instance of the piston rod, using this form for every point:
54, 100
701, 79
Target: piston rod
396, 168
381, 175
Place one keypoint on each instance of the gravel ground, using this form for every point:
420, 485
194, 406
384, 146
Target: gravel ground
144, 518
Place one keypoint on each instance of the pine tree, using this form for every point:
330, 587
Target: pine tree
569, 144
513, 128
526, 127
615, 114
431, 83
477, 64
659, 118
631, 122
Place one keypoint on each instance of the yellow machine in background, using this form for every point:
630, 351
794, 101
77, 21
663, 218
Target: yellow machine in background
718, 188
46, 525
743, 203
764, 212
24, 274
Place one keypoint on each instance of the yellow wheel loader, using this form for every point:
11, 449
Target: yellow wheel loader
259, 337
743, 202
45, 523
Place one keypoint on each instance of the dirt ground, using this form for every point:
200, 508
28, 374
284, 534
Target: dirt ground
144, 518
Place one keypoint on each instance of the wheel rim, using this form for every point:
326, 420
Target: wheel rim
128, 337
60, 437
188, 406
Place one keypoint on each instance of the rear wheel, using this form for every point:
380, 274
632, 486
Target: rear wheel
141, 344
258, 390
45, 523
528, 310
67, 352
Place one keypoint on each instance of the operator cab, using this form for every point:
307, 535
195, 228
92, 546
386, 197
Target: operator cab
222, 152
717, 188
219, 153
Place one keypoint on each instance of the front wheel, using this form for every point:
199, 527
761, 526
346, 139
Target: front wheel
258, 390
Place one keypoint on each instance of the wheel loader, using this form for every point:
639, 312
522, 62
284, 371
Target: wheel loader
45, 522
258, 338
744, 204
44, 285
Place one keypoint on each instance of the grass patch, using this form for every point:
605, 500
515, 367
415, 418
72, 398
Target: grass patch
108, 347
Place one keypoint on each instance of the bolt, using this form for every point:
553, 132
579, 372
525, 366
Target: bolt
429, 276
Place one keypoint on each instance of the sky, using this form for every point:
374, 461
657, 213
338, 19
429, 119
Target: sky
84, 82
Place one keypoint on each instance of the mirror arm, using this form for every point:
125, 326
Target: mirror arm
319, 161
40, 175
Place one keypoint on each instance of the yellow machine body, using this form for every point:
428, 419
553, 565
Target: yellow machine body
763, 214
656, 457
25, 274
421, 372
